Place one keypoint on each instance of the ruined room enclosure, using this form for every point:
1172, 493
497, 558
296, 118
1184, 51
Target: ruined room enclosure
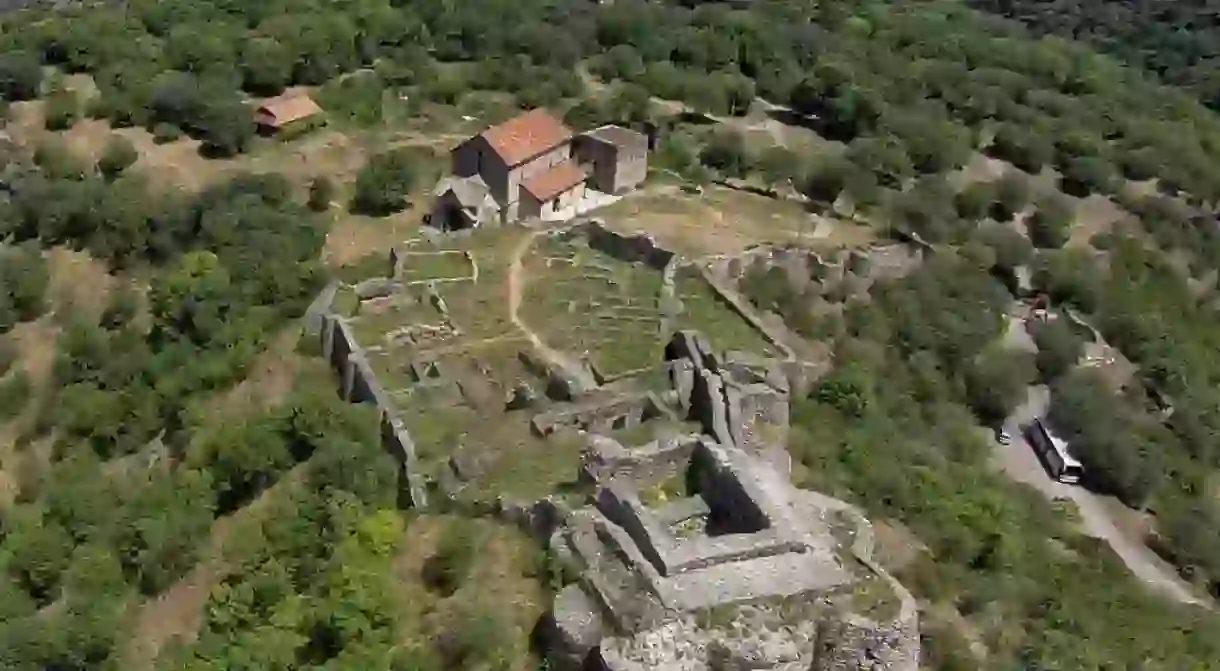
615, 315
485, 413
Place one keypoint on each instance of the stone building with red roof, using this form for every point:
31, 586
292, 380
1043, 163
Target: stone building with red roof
520, 169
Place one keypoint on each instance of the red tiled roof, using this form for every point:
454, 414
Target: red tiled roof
526, 136
554, 181
287, 108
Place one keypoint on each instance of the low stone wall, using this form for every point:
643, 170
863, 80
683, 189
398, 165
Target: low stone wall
740, 306
619, 413
358, 384
320, 307
637, 248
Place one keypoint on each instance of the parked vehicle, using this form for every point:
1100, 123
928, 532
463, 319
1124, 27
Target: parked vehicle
1053, 451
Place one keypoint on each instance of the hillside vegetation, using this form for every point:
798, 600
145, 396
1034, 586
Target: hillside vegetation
124, 475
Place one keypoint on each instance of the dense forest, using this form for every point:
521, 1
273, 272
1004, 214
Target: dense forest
908, 91
1179, 41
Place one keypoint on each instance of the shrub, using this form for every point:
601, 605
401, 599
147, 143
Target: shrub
384, 182
321, 193
164, 133
118, 155
62, 110
445, 570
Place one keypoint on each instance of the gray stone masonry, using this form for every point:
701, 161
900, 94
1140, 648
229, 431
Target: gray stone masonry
320, 307
744, 544
637, 248
359, 384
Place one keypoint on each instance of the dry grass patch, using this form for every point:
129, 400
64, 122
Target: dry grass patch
353, 237
720, 221
1094, 215
79, 282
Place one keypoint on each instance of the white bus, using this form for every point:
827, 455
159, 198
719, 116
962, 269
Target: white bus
1053, 451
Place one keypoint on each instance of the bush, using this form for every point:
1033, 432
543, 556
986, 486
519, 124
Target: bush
1051, 225
62, 110
448, 567
384, 182
321, 193
118, 155
14, 391
164, 133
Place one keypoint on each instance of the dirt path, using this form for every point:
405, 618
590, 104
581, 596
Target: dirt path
1020, 463
514, 303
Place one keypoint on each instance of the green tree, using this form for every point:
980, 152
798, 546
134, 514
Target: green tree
40, 551
1088, 174
995, 383
778, 165
1051, 224
385, 181
726, 153
20, 75
1059, 348
23, 282
266, 66
1011, 249
62, 109
976, 200
1012, 195
118, 155
883, 156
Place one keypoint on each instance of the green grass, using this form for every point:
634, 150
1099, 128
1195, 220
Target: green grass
702, 310
599, 306
422, 267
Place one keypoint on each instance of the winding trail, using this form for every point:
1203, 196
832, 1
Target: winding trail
552, 356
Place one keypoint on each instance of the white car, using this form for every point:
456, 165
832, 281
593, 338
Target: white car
1004, 437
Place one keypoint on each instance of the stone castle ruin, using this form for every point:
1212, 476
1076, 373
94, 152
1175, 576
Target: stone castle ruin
743, 571
689, 552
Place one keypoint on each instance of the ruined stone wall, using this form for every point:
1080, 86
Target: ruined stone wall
726, 494
609, 459
741, 307
637, 248
358, 384
320, 307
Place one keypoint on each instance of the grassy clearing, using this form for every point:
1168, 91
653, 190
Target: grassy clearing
720, 221
425, 266
594, 306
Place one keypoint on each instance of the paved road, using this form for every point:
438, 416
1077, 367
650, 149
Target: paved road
1019, 462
